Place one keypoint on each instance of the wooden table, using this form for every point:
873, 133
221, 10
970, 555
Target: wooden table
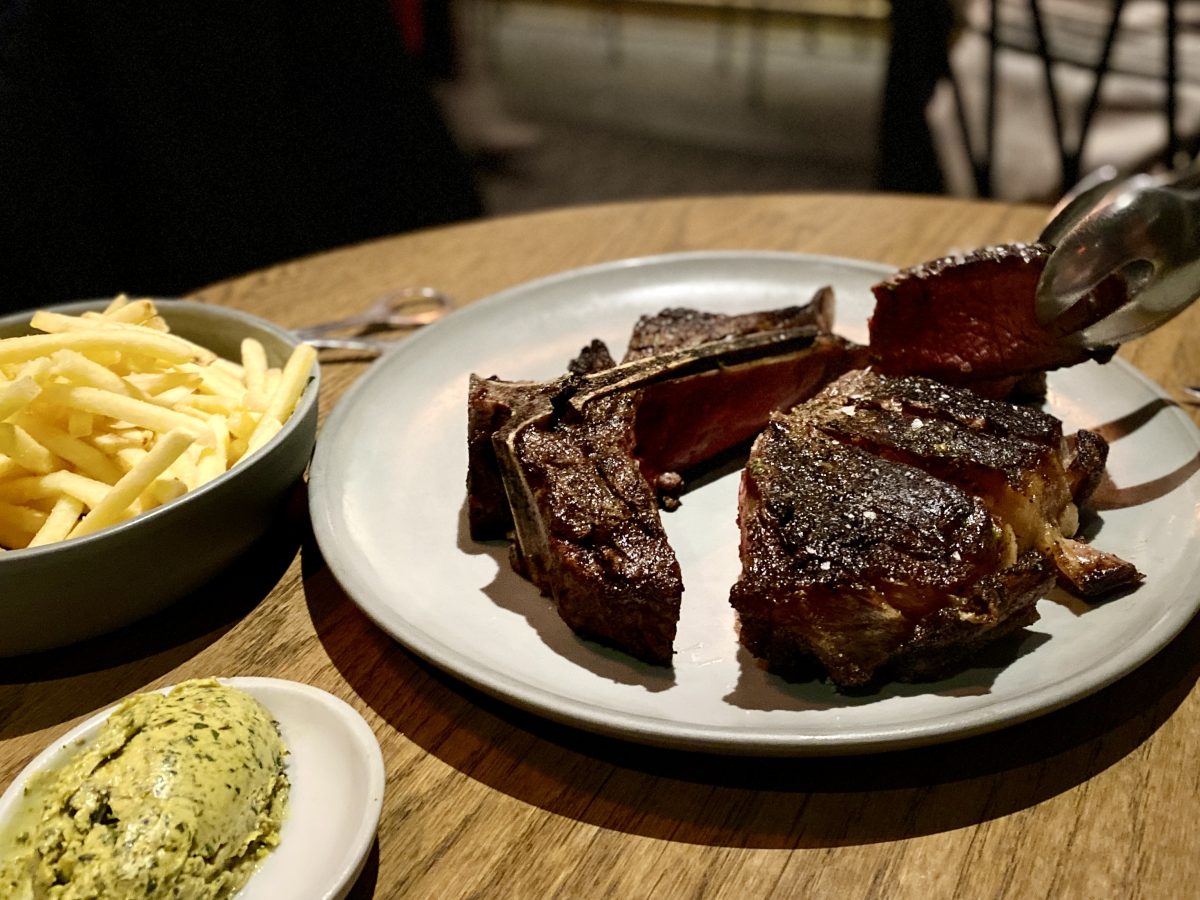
1096, 800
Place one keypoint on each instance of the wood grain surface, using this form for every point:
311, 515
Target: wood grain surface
1099, 799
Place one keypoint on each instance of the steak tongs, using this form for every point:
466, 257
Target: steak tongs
1145, 228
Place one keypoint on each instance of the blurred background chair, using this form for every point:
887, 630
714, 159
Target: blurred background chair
1038, 92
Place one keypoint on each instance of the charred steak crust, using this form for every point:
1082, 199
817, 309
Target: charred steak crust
491, 404
595, 357
603, 556
896, 525
969, 320
673, 329
1087, 452
859, 563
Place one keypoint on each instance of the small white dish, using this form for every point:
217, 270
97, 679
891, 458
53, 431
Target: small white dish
336, 772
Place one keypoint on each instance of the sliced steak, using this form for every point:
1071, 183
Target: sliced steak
896, 525
969, 320
491, 404
673, 329
568, 462
673, 433
588, 528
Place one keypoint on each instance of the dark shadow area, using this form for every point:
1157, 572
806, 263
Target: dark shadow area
210, 141
723, 800
1109, 496
44, 689
760, 689
1132, 421
368, 880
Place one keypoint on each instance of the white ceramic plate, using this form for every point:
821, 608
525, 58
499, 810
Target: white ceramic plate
337, 779
387, 498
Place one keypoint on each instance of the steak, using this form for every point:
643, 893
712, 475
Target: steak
896, 525
672, 432
969, 320
673, 329
570, 468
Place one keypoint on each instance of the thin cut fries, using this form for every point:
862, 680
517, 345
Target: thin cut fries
106, 415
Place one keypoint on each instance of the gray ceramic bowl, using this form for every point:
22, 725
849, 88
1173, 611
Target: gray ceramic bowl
61, 593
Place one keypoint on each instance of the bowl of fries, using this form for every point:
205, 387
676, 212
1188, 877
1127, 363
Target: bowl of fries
144, 445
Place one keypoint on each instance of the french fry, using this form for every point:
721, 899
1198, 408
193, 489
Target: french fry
223, 384
172, 397
88, 491
116, 406
214, 460
86, 458
78, 369
207, 405
133, 312
8, 467
164, 490
80, 423
267, 429
184, 469
117, 501
128, 457
254, 364
237, 450
287, 393
241, 424
112, 442
23, 488
154, 383
271, 382
18, 445
153, 344
228, 365
18, 524
16, 395
59, 522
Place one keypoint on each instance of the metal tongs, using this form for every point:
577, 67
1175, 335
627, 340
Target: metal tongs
403, 309
1145, 228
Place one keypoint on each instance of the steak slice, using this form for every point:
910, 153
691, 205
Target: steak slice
969, 320
588, 528
673, 433
896, 525
562, 466
673, 329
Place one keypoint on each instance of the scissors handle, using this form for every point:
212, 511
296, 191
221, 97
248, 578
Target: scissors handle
391, 311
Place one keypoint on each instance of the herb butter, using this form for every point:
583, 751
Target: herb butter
180, 795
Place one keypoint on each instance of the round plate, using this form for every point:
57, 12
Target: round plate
388, 505
337, 777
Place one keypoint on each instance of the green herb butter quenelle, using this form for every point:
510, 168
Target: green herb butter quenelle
180, 795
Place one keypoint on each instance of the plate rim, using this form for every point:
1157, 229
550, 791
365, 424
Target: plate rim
645, 728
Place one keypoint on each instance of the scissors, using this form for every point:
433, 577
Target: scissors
1146, 229
403, 309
